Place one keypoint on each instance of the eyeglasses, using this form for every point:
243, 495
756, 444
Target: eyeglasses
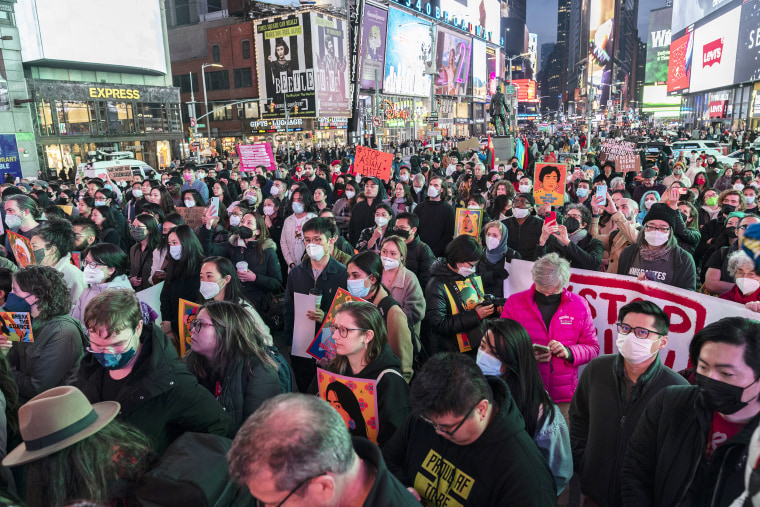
652, 228
196, 325
440, 429
343, 331
638, 332
93, 264
744, 227
120, 349
301, 484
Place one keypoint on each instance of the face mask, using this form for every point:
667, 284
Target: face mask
492, 243
432, 192
12, 221
390, 263
350, 194
136, 194
417, 189
269, 210
677, 172
245, 232
747, 285
138, 234
581, 192
234, 220
274, 191
520, 212
401, 233
514, 165
656, 238
100, 203
381, 221
114, 361
524, 189
648, 204
209, 289
727, 208
711, 201
297, 207
175, 251
39, 255
189, 203
404, 177
465, 271
14, 303
572, 224
200, 176
93, 275
738, 187
750, 199
316, 252
488, 364
251, 198
357, 288
720, 396
731, 232
188, 177
635, 350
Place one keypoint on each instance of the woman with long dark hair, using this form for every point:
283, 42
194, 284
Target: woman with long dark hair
147, 237
506, 351
219, 189
162, 197
402, 200
182, 280
85, 206
104, 219
343, 206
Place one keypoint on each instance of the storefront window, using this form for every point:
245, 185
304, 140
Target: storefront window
175, 118
153, 117
120, 118
77, 116
45, 118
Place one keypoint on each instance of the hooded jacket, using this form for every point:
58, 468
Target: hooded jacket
363, 215
437, 221
571, 325
642, 209
120, 282
386, 490
501, 467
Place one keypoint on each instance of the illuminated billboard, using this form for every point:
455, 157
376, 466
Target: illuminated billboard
479, 70
409, 45
601, 45
452, 63
658, 45
714, 54
748, 50
526, 90
687, 12
373, 47
330, 43
492, 57
680, 65
480, 19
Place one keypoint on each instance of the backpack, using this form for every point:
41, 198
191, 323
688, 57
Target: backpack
420, 354
283, 370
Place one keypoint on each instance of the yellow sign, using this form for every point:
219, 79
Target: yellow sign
114, 93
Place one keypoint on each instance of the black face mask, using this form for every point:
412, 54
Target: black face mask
727, 208
401, 233
731, 232
721, 397
543, 299
572, 224
245, 232
514, 165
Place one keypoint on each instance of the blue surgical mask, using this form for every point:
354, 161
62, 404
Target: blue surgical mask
175, 251
100, 203
488, 364
581, 192
297, 207
115, 361
357, 288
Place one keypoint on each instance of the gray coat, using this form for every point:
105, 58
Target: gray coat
407, 291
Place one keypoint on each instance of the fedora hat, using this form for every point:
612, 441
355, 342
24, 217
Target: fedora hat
56, 419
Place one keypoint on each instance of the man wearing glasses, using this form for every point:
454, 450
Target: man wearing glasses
466, 444
610, 399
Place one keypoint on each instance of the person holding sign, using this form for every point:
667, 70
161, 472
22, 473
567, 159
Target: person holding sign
21, 215
572, 240
550, 184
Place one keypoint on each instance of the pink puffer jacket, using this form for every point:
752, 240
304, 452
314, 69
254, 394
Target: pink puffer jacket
571, 325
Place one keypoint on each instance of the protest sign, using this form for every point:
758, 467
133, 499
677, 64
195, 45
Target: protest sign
120, 173
303, 327
549, 184
152, 297
22, 249
16, 326
373, 163
187, 312
355, 399
607, 293
254, 155
192, 216
468, 222
323, 345
66, 208
614, 148
76, 259
627, 163
470, 144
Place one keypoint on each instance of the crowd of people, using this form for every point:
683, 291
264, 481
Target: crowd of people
484, 396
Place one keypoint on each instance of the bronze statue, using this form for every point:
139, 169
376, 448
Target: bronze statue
499, 110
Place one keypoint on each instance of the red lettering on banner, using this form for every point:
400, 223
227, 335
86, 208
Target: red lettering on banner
608, 341
589, 292
677, 327
612, 308
712, 52
670, 358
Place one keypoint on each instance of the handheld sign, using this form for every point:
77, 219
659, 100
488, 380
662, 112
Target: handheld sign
549, 185
355, 399
22, 249
254, 155
373, 163
468, 222
16, 326
323, 345
120, 173
192, 216
187, 312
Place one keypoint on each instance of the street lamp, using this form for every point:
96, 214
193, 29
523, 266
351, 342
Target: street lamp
205, 99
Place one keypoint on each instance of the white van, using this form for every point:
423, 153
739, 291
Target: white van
700, 145
115, 159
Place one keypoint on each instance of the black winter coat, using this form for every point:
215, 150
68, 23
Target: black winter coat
419, 260
587, 254
362, 216
437, 224
493, 275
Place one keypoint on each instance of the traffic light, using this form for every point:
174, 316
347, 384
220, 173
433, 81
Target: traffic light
271, 107
295, 109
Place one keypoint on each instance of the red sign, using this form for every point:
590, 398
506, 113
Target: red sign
679, 67
718, 108
526, 90
712, 52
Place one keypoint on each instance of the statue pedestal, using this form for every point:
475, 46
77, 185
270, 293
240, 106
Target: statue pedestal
503, 147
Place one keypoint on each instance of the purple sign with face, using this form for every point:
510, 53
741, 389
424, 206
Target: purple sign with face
373, 47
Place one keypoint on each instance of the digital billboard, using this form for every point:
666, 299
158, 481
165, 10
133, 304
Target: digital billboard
481, 18
686, 12
601, 45
409, 45
285, 65
330, 43
526, 90
680, 64
748, 50
373, 46
452, 62
479, 69
658, 45
714, 56
492, 57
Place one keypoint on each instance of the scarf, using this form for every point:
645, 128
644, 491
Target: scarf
497, 253
713, 213
578, 236
650, 254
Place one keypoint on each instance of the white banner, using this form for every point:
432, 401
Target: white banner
606, 294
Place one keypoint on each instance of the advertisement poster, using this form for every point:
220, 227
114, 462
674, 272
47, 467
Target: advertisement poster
452, 62
601, 45
680, 65
355, 399
255, 155
479, 75
491, 66
658, 45
468, 222
409, 46
10, 164
286, 66
16, 327
686, 12
22, 249
482, 18
330, 45
187, 312
715, 47
323, 345
549, 184
374, 34
748, 50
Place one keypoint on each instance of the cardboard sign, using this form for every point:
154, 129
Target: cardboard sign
187, 312
152, 297
16, 326
254, 155
120, 173
549, 184
323, 345
628, 163
614, 148
472, 143
468, 222
192, 216
303, 327
22, 249
355, 399
373, 163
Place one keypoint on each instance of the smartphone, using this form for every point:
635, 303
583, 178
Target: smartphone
551, 218
541, 348
601, 191
674, 193
214, 202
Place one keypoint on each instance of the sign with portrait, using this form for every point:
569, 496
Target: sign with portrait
355, 399
549, 184
323, 346
187, 312
468, 222
22, 249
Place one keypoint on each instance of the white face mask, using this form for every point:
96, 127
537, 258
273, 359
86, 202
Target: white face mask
524, 189
635, 350
175, 251
315, 252
189, 203
738, 187
93, 275
350, 194
234, 220
648, 204
136, 194
750, 199
209, 289
404, 177
381, 221
492, 242
656, 238
432, 192
274, 190
747, 285
520, 212
269, 210
417, 189
390, 263
488, 364
466, 271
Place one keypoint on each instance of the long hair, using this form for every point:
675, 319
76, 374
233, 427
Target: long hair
369, 262
166, 202
95, 468
366, 316
189, 263
49, 287
261, 226
154, 233
513, 347
226, 199
109, 222
349, 404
